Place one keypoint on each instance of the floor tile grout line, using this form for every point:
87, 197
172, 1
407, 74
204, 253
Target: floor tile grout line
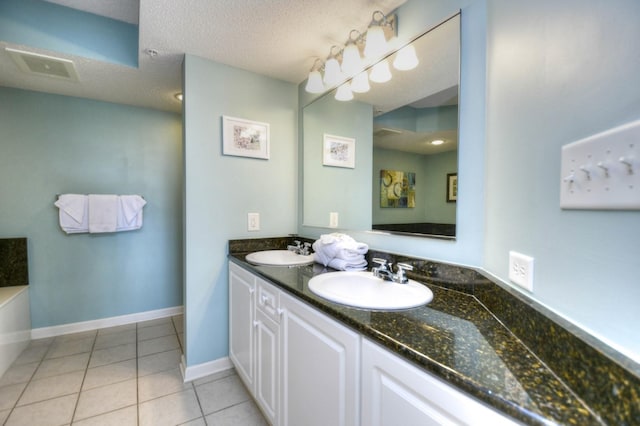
86, 369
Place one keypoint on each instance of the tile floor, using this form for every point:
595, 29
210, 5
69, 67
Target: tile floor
126, 375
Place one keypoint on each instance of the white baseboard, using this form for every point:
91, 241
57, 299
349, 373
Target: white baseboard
205, 369
58, 330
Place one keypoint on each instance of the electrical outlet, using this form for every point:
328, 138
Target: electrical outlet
521, 270
253, 221
333, 220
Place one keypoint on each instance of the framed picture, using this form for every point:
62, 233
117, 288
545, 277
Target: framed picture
397, 189
339, 151
245, 138
452, 187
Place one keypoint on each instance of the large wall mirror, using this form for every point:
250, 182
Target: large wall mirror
401, 182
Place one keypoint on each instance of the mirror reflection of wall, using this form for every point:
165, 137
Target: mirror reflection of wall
419, 139
415, 108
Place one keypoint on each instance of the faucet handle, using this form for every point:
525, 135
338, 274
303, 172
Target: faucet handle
297, 243
401, 276
381, 262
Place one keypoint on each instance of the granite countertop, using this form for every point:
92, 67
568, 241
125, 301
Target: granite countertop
462, 338
456, 338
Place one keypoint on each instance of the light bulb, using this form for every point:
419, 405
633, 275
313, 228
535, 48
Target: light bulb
351, 61
376, 44
380, 72
332, 73
344, 92
314, 82
406, 58
360, 83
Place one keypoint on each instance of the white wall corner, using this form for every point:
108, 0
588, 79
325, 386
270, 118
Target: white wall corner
217, 366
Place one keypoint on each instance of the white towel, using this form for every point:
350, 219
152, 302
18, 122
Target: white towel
342, 247
345, 265
103, 213
129, 212
73, 213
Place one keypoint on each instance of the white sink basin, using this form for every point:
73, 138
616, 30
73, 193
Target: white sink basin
278, 258
363, 290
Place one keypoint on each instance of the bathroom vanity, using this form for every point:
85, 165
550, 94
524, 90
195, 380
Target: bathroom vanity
307, 360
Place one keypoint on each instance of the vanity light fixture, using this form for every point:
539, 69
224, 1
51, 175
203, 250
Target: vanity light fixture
314, 81
344, 92
351, 60
380, 72
332, 72
178, 96
406, 58
360, 83
437, 142
348, 62
376, 44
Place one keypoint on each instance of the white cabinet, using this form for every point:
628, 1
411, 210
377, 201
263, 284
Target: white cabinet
304, 368
319, 368
254, 337
242, 288
267, 386
395, 392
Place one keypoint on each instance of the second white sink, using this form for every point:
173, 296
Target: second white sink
362, 290
278, 258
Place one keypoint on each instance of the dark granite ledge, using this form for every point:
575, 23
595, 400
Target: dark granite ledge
509, 352
14, 265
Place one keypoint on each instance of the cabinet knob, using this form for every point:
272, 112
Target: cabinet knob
280, 311
255, 323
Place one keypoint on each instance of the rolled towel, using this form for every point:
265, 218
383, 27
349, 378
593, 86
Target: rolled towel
338, 246
345, 265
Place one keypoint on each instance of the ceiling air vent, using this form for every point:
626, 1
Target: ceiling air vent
34, 63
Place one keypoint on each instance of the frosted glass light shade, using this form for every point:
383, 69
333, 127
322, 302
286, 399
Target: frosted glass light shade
351, 60
376, 44
380, 72
344, 92
332, 73
406, 58
360, 83
314, 83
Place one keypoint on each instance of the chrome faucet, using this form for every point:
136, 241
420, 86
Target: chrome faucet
385, 271
299, 248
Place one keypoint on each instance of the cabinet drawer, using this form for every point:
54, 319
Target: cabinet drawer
268, 300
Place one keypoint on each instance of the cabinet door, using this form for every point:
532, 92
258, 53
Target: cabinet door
395, 392
319, 368
241, 322
267, 367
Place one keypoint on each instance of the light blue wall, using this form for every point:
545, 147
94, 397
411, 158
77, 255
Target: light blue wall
61, 29
415, 17
53, 144
221, 190
558, 72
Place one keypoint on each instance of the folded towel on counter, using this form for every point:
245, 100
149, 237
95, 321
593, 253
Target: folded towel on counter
103, 213
341, 247
129, 212
73, 213
345, 265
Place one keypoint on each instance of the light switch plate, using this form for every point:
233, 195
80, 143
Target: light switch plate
333, 220
253, 221
602, 172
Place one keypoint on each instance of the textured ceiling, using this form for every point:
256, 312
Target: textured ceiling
276, 38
